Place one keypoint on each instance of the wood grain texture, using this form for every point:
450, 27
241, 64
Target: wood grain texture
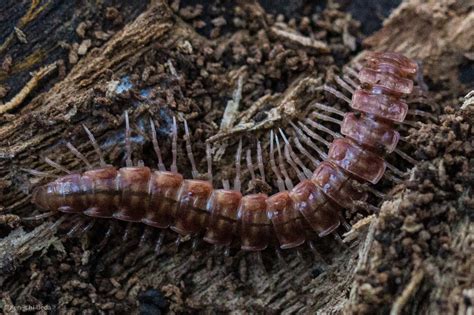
205, 280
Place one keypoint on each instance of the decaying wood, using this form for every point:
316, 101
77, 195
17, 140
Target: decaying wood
438, 33
20, 97
357, 280
20, 246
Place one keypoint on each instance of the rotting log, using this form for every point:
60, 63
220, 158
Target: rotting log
437, 33
205, 280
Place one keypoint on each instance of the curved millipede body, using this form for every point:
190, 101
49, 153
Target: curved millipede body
165, 199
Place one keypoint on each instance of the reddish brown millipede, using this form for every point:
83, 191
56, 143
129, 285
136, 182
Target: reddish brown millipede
164, 199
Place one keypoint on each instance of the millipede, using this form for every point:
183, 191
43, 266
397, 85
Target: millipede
162, 198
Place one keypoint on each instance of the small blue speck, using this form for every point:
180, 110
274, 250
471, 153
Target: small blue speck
145, 92
124, 85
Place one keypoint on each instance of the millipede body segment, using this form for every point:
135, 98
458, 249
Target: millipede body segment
164, 199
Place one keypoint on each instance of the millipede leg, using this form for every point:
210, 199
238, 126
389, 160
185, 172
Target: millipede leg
40, 216
175, 74
343, 84
215, 250
291, 156
305, 152
195, 243
225, 184
291, 160
353, 72
106, 238
406, 157
327, 108
281, 259
419, 77
56, 224
159, 242
314, 135
238, 157
78, 154
299, 254
373, 191
348, 79
88, 227
156, 147
38, 173
57, 166
250, 167
392, 178
363, 187
145, 236
411, 123
189, 150
301, 136
126, 233
358, 65
395, 170
306, 171
339, 240
422, 100
321, 127
74, 229
324, 117
346, 225
280, 183
257, 256
209, 162
316, 254
96, 146
336, 93
178, 242
288, 182
260, 161
227, 251
366, 206
174, 146
128, 143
